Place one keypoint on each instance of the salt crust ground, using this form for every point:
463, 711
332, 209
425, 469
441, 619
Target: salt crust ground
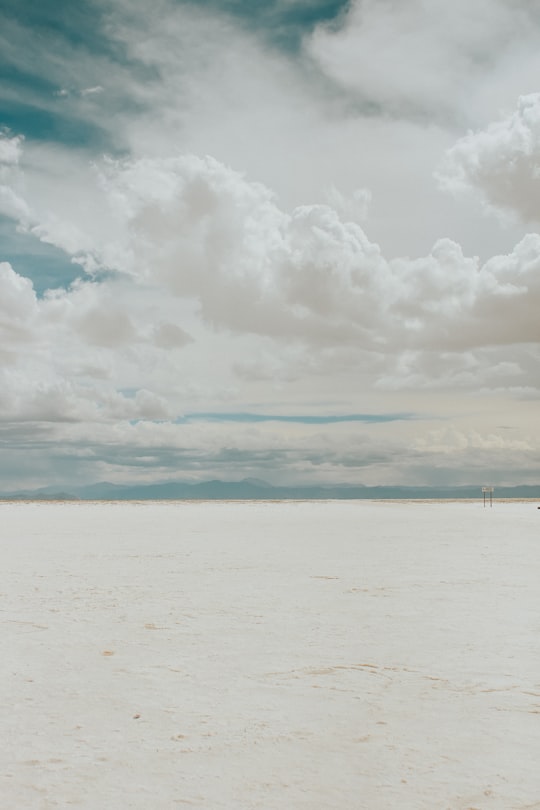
290, 656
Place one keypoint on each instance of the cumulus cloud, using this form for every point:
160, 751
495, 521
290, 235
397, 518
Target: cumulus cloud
501, 163
101, 405
69, 355
201, 231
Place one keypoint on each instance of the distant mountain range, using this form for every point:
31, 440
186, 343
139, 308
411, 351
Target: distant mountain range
253, 489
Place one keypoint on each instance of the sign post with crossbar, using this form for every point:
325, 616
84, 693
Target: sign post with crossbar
488, 491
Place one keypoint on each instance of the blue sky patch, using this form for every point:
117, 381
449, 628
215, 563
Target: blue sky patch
299, 419
282, 24
46, 266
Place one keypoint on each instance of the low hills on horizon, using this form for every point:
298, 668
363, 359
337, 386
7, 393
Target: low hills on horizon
252, 489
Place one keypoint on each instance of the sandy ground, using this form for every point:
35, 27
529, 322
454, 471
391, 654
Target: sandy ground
292, 656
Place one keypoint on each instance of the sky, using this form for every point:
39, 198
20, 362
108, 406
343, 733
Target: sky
296, 240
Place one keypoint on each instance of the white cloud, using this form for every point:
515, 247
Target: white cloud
451, 441
10, 149
91, 91
17, 299
501, 163
202, 289
199, 230
11, 203
295, 301
455, 61
196, 82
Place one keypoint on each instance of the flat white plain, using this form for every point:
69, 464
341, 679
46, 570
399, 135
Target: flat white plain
270, 655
